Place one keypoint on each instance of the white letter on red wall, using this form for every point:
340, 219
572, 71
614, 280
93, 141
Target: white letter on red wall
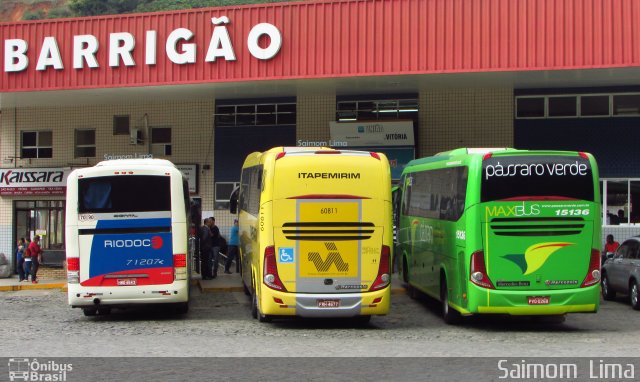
84, 50
254, 36
49, 55
220, 45
150, 48
15, 58
121, 45
188, 54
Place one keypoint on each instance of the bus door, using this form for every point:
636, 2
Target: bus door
538, 221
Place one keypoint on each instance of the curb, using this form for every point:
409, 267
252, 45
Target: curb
14, 288
204, 289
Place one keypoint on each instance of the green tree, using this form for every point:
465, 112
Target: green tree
60, 12
36, 15
102, 7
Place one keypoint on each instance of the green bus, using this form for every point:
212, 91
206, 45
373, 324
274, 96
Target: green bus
501, 231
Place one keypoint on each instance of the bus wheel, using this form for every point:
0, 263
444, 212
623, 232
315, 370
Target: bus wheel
405, 270
607, 293
362, 320
254, 304
412, 291
182, 308
633, 295
450, 315
263, 317
245, 289
89, 312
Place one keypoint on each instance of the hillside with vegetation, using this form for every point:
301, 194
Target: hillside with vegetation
17, 10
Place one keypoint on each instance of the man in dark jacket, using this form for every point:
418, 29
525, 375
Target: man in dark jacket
206, 242
215, 245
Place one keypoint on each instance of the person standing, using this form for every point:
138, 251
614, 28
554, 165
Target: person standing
215, 245
20, 260
36, 258
610, 247
27, 260
232, 253
205, 250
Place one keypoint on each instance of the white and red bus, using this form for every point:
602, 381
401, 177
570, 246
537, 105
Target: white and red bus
127, 236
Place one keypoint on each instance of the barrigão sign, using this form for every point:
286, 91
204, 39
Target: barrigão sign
179, 48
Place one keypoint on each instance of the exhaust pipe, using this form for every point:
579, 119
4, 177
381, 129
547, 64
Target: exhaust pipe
96, 301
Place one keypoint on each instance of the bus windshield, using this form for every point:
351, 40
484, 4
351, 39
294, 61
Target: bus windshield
124, 193
536, 177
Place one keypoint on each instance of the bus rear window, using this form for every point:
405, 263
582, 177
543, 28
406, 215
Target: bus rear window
130, 193
537, 178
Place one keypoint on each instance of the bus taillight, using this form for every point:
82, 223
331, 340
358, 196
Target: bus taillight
180, 266
593, 275
478, 271
73, 270
383, 278
271, 277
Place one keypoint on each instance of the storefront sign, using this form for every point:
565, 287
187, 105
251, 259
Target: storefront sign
191, 172
179, 48
33, 181
374, 133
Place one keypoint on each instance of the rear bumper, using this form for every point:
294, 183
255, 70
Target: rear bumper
578, 300
306, 304
79, 296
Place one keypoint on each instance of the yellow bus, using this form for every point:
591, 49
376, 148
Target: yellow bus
315, 228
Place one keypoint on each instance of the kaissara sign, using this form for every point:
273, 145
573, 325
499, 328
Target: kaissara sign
33, 181
179, 45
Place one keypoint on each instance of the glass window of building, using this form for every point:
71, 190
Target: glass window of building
44, 218
36, 144
564, 106
530, 107
626, 104
377, 109
85, 143
262, 114
594, 105
161, 141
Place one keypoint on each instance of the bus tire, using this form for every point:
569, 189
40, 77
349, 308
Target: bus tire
634, 290
245, 289
607, 293
412, 291
89, 312
254, 304
264, 317
449, 315
182, 308
405, 270
362, 320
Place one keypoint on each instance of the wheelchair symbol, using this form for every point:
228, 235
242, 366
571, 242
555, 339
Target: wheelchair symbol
286, 255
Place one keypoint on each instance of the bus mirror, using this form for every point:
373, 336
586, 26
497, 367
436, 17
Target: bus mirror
233, 201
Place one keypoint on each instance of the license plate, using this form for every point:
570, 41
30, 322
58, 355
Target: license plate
124, 282
328, 303
538, 300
